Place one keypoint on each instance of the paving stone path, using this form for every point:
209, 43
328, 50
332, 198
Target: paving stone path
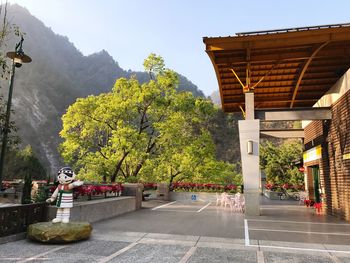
198, 232
140, 247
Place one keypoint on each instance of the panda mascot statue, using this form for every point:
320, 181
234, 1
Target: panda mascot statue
64, 194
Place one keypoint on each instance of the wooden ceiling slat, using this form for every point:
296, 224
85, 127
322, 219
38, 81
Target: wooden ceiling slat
275, 57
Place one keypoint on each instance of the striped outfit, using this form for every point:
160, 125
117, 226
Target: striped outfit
65, 196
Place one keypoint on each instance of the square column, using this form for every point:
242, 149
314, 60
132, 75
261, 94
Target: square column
249, 138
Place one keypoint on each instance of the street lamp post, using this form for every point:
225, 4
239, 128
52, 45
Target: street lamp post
18, 58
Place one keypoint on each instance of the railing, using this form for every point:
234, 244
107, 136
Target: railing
16, 219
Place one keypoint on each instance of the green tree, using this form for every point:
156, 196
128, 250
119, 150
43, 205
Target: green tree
19, 163
23, 162
140, 131
114, 133
6, 29
278, 162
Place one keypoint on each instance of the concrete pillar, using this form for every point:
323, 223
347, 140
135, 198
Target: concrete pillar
249, 134
249, 138
249, 105
134, 190
163, 191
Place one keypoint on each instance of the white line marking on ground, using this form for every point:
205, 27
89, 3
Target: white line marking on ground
297, 222
302, 232
160, 206
246, 232
106, 259
204, 207
260, 257
302, 249
41, 254
188, 254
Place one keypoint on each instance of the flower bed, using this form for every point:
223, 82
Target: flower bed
149, 186
5, 185
95, 190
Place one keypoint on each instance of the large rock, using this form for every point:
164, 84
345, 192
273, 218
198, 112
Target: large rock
49, 232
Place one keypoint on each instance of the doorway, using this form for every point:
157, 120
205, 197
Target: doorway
315, 171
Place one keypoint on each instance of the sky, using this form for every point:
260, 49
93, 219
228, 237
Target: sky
129, 30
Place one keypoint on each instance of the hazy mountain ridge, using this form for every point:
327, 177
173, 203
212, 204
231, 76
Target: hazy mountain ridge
57, 76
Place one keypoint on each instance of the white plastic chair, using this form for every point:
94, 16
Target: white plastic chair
226, 200
239, 203
218, 199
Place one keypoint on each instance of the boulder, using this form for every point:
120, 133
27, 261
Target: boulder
48, 232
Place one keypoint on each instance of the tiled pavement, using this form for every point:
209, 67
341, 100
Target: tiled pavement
134, 247
185, 232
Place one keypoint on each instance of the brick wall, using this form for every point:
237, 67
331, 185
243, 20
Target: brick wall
334, 137
314, 135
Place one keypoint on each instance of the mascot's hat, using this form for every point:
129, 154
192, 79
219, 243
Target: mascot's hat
67, 171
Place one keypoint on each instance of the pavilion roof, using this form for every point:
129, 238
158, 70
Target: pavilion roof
285, 68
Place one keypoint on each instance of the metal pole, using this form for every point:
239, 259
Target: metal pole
7, 124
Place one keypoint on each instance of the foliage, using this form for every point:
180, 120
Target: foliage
278, 162
142, 132
288, 187
41, 195
27, 189
6, 29
149, 186
13, 139
20, 162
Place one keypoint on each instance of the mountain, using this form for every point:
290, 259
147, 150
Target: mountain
57, 76
215, 98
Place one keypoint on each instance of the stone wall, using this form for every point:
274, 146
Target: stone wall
97, 210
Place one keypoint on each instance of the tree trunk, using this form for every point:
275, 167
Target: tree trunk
138, 168
117, 168
172, 176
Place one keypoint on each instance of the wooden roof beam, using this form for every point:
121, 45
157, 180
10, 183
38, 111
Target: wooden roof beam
304, 69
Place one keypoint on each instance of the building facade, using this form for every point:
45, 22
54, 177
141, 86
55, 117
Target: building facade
327, 152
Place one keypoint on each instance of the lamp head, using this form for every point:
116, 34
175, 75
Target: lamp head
18, 57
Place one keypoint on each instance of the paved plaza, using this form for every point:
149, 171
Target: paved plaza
201, 232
